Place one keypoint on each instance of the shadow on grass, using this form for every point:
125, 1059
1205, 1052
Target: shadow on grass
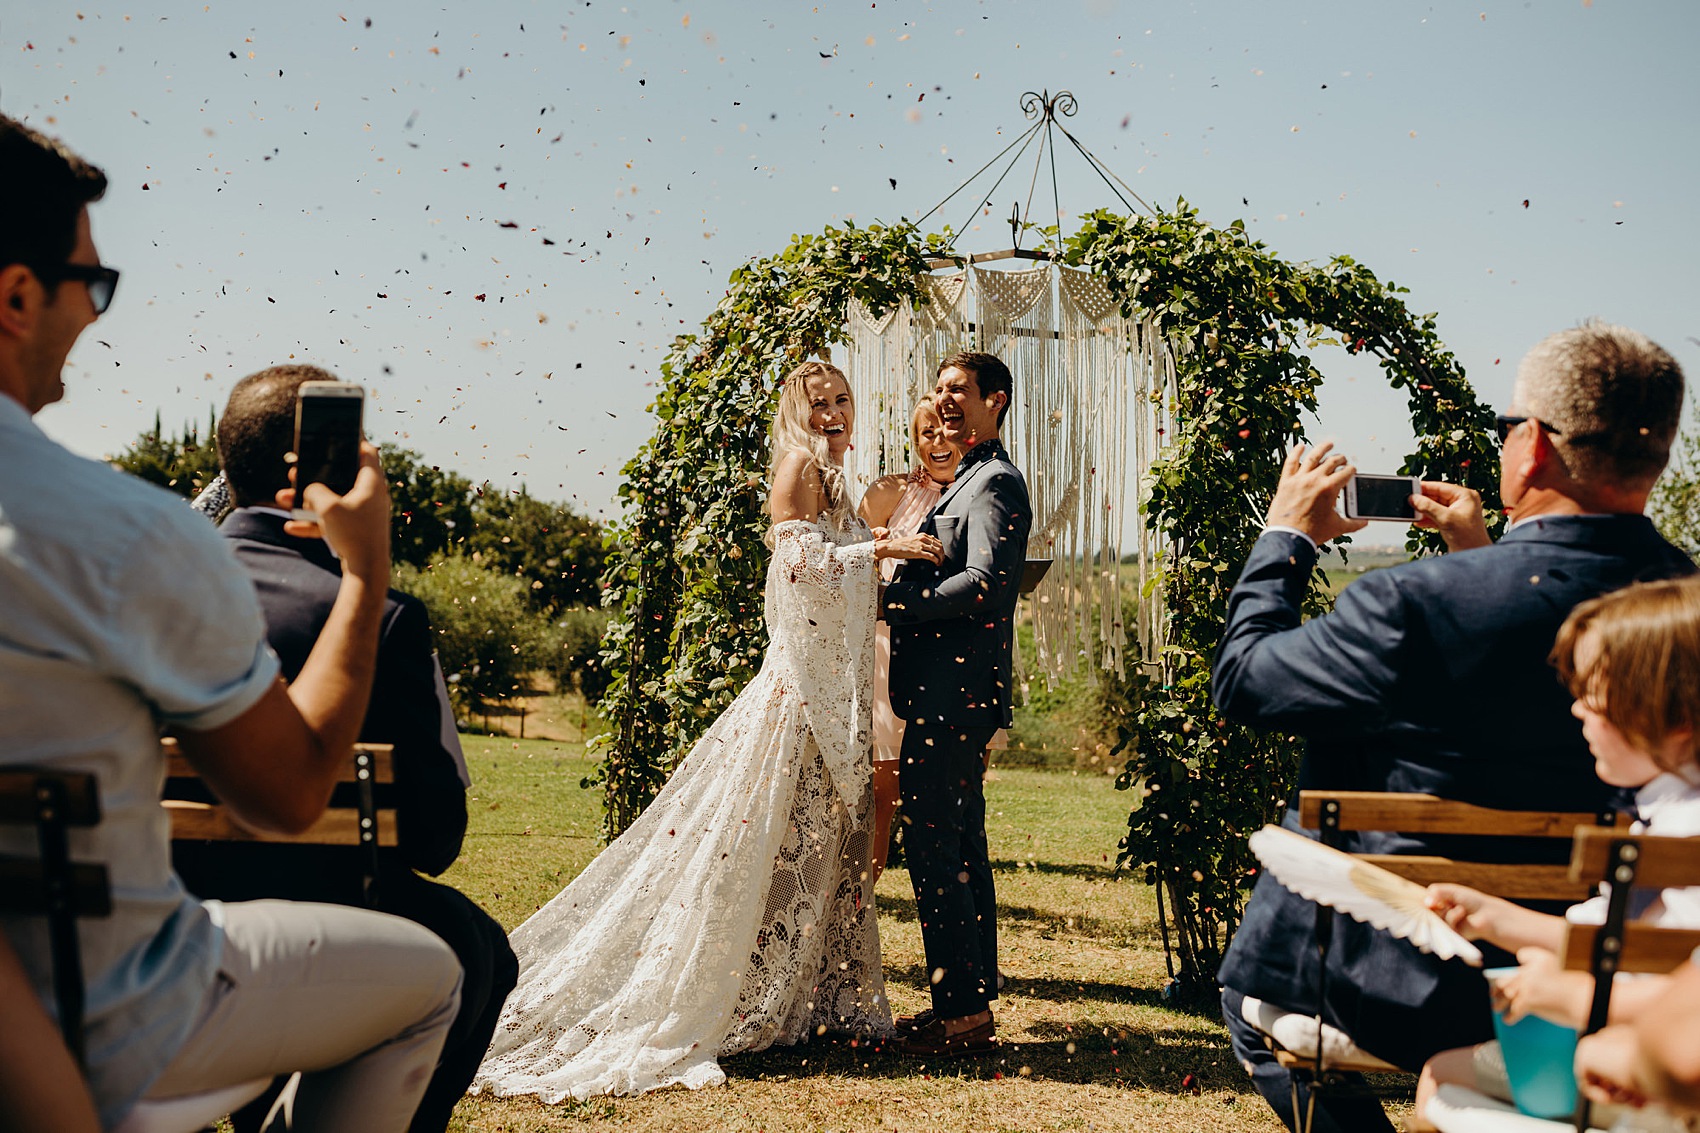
1052, 991
1088, 870
1121, 932
1179, 1060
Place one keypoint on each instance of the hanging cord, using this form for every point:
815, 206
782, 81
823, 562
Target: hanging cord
1047, 110
1032, 187
1025, 135
1056, 197
1028, 137
1103, 171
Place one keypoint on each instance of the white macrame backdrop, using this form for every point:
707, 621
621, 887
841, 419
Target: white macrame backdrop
1092, 393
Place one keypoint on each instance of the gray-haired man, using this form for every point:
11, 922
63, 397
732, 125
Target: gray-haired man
1433, 677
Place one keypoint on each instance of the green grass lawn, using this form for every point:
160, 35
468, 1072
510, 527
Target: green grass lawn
1089, 1043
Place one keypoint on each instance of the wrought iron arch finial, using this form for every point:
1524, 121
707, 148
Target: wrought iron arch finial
1049, 105
1045, 112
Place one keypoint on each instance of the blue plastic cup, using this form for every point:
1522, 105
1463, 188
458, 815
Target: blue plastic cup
1540, 1060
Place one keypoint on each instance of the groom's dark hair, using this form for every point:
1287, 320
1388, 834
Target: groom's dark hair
990, 376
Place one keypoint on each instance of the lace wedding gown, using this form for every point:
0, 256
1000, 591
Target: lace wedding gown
735, 912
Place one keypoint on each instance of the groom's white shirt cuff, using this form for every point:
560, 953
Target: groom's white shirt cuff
1291, 531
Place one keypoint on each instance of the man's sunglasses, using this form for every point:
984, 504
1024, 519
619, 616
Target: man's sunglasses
102, 281
1502, 425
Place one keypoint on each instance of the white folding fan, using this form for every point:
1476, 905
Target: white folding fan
1362, 891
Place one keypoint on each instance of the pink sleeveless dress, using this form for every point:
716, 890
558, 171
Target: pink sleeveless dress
920, 494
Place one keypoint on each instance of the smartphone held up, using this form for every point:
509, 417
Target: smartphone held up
1382, 497
327, 440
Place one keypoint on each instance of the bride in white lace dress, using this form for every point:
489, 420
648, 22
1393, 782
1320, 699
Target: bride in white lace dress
737, 911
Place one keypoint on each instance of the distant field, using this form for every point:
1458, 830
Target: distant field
1359, 562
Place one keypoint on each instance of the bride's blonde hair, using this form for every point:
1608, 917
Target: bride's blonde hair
791, 432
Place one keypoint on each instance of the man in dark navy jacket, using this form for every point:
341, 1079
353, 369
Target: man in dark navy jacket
297, 581
952, 636
1433, 677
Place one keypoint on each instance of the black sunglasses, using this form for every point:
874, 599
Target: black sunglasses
1502, 425
102, 281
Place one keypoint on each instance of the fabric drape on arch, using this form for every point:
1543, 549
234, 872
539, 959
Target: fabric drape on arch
1092, 399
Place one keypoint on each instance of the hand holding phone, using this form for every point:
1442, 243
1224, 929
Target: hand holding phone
1311, 481
356, 524
1455, 511
327, 440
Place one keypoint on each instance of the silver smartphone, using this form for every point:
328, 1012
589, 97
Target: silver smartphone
1382, 497
327, 439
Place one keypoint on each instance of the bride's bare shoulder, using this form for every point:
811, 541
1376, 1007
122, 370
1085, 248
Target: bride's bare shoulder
797, 490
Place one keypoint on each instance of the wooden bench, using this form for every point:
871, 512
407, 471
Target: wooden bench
197, 815
1628, 862
1336, 812
51, 885
1333, 812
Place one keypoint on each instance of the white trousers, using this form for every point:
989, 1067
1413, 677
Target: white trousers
358, 1001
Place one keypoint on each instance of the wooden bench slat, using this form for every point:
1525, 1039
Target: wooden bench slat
1366, 1065
1515, 881
1645, 947
23, 888
1663, 862
383, 766
1430, 814
200, 821
18, 790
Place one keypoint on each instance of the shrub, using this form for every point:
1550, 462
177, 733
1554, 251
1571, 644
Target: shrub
1675, 504
488, 635
572, 642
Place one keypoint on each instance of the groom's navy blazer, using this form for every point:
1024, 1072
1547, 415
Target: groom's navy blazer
1428, 677
953, 624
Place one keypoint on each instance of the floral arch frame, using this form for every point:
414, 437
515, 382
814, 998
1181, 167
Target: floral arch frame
687, 562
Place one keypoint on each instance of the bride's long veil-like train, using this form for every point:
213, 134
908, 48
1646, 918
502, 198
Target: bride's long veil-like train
736, 912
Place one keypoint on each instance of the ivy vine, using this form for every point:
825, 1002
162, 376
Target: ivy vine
686, 563
1243, 321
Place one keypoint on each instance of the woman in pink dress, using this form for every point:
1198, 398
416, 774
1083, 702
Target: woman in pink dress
900, 503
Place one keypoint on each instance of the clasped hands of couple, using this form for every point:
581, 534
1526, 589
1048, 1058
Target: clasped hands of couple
1312, 478
917, 546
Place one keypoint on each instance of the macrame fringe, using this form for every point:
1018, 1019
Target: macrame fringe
1093, 391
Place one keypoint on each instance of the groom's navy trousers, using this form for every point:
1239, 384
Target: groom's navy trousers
952, 632
941, 778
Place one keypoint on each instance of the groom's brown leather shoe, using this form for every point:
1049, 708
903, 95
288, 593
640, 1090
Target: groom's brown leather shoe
908, 1024
932, 1041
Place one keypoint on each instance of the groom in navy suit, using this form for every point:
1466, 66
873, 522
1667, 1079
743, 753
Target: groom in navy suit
1433, 677
952, 638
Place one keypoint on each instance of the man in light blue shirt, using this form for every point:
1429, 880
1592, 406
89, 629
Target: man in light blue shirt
122, 611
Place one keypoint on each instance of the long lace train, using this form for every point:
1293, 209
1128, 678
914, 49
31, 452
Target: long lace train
736, 912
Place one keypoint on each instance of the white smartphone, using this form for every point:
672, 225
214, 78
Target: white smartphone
327, 439
1382, 497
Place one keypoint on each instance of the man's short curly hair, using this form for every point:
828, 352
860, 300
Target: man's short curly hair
257, 431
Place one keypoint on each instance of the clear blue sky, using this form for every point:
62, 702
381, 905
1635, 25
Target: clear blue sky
336, 183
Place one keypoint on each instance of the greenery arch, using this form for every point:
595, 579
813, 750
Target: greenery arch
686, 564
